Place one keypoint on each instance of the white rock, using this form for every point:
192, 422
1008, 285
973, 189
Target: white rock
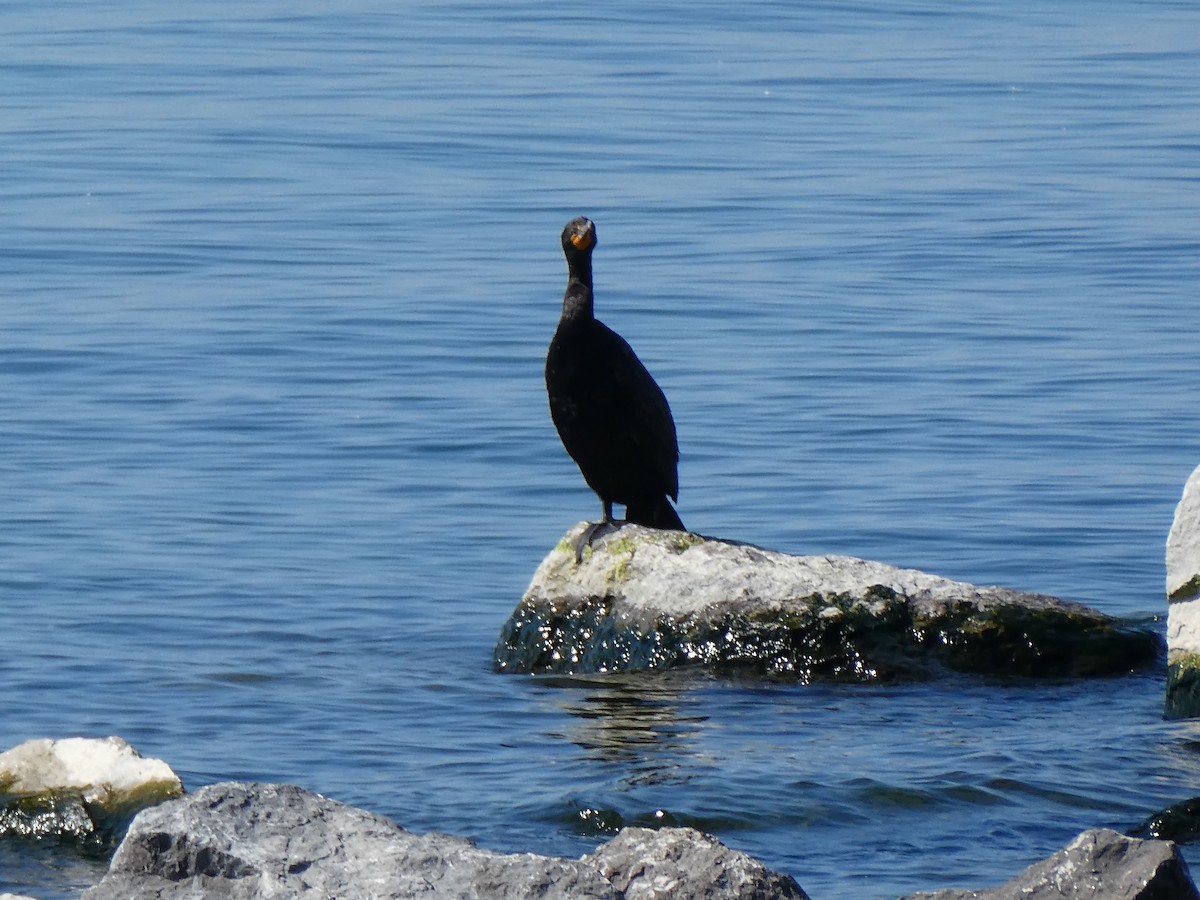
1183, 605
97, 768
680, 574
1183, 628
1183, 543
641, 598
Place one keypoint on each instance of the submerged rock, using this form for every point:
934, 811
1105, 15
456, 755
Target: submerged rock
1183, 605
239, 840
1179, 822
82, 789
1098, 865
648, 599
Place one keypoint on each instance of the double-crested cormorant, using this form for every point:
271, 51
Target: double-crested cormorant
611, 415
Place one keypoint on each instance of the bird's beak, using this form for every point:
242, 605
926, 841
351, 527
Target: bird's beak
584, 240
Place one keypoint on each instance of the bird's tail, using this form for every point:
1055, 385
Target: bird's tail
655, 512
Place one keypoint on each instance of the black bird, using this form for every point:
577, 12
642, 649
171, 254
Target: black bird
611, 415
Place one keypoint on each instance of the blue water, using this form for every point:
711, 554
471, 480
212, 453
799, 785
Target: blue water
919, 279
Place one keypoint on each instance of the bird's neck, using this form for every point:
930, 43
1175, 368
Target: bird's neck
577, 301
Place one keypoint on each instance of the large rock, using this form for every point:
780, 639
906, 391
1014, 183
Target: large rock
237, 840
1183, 605
648, 599
1098, 865
84, 789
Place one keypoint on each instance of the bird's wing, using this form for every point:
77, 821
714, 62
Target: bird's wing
648, 420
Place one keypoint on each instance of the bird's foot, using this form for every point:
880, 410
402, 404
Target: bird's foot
589, 534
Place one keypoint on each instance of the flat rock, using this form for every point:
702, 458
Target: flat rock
1183, 605
82, 789
648, 599
237, 840
1098, 865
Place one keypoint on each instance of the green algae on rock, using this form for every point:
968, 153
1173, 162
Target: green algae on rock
648, 599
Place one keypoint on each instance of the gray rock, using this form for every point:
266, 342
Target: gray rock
1098, 865
1183, 605
649, 864
81, 789
233, 841
236, 840
648, 599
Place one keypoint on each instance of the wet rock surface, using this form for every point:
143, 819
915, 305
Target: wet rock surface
648, 599
1179, 822
78, 789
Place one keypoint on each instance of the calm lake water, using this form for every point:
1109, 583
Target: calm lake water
919, 279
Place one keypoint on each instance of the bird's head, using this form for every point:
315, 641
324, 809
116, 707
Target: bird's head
579, 235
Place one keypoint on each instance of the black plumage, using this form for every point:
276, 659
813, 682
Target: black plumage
611, 415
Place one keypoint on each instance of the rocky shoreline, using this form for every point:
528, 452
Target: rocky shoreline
640, 599
244, 840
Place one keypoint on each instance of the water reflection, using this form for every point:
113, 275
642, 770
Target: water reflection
642, 735
648, 722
